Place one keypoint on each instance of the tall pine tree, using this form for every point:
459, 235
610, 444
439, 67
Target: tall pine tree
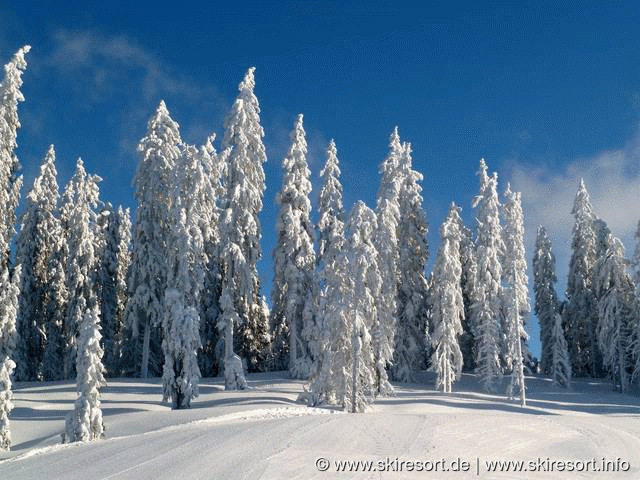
159, 151
294, 262
242, 202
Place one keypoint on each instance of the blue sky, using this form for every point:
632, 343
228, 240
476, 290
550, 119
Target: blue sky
546, 93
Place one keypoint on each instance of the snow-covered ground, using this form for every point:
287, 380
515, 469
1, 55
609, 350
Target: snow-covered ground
264, 433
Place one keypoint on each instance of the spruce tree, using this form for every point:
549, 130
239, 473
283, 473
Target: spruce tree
487, 306
617, 312
515, 277
413, 251
244, 189
386, 241
10, 184
186, 262
447, 304
159, 150
580, 314
468, 283
34, 249
80, 198
294, 262
213, 164
546, 299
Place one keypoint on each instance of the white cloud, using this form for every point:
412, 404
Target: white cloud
613, 181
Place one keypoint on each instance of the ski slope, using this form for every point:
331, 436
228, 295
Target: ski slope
265, 433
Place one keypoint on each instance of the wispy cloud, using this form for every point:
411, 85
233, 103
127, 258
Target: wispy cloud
613, 181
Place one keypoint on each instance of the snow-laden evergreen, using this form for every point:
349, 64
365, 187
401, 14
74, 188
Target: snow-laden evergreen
328, 376
296, 338
413, 251
34, 248
85, 422
213, 164
546, 298
517, 298
617, 313
112, 281
240, 228
447, 304
10, 181
330, 208
80, 198
386, 241
8, 312
10, 184
487, 306
560, 362
185, 276
55, 309
468, 283
361, 299
580, 315
159, 151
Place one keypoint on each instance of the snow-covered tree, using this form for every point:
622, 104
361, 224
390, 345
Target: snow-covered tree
80, 198
617, 310
487, 306
213, 164
159, 150
85, 422
294, 262
468, 283
10, 181
362, 299
560, 361
413, 251
112, 281
546, 299
330, 208
34, 248
8, 311
10, 184
386, 241
447, 304
240, 229
515, 277
328, 376
580, 314
186, 262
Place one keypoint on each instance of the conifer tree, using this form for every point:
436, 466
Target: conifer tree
79, 201
386, 241
580, 314
294, 262
34, 249
244, 190
546, 299
10, 184
515, 276
328, 376
114, 265
361, 300
186, 261
488, 302
85, 422
213, 164
468, 282
617, 313
159, 150
447, 304
413, 251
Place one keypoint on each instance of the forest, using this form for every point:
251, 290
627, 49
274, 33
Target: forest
87, 292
